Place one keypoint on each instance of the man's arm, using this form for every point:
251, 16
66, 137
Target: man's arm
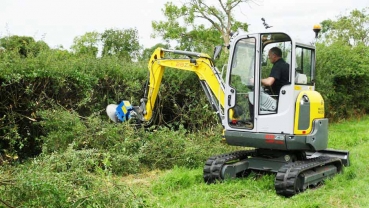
268, 81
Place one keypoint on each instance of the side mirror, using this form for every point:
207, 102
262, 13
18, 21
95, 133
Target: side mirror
217, 51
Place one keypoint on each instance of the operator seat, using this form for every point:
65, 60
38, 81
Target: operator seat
300, 78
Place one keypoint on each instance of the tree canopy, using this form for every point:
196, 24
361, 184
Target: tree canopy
87, 44
351, 29
23, 45
123, 43
343, 64
186, 24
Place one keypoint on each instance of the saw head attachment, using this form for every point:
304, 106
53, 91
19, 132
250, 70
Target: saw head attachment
123, 112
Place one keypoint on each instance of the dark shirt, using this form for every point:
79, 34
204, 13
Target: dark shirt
281, 74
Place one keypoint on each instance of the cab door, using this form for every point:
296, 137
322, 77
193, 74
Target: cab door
240, 83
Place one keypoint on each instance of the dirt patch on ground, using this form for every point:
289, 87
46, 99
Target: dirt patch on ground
142, 179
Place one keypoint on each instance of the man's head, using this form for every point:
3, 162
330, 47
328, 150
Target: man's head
274, 54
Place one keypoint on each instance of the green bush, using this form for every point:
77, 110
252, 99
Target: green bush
164, 150
61, 128
342, 79
38, 184
53, 79
56, 98
126, 149
84, 85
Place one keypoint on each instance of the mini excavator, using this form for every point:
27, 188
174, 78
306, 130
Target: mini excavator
287, 133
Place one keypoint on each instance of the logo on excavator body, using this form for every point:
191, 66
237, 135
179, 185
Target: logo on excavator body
181, 64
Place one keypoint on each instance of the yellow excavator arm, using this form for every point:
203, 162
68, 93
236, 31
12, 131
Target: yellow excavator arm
199, 63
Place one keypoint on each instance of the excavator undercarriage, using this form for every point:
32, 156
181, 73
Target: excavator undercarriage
295, 171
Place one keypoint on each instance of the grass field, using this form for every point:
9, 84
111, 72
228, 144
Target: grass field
33, 184
184, 188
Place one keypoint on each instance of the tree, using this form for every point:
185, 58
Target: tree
86, 44
23, 45
343, 64
146, 54
351, 29
219, 15
122, 43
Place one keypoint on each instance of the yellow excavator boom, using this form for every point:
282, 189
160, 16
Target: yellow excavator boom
199, 63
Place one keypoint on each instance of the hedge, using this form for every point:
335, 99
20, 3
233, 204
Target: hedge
67, 91
56, 80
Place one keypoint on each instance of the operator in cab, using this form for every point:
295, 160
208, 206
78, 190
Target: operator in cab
279, 75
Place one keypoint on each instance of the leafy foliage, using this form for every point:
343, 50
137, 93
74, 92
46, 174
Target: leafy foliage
122, 43
52, 106
121, 148
182, 23
342, 79
147, 52
343, 65
23, 45
39, 184
57, 79
86, 44
349, 29
84, 178
46, 100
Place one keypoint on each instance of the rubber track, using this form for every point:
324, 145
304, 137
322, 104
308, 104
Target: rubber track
213, 166
286, 178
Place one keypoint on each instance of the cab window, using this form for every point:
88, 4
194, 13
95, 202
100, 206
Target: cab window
304, 66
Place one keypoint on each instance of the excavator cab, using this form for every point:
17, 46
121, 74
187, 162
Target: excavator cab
257, 110
247, 66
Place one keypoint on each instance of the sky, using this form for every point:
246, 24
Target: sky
58, 22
